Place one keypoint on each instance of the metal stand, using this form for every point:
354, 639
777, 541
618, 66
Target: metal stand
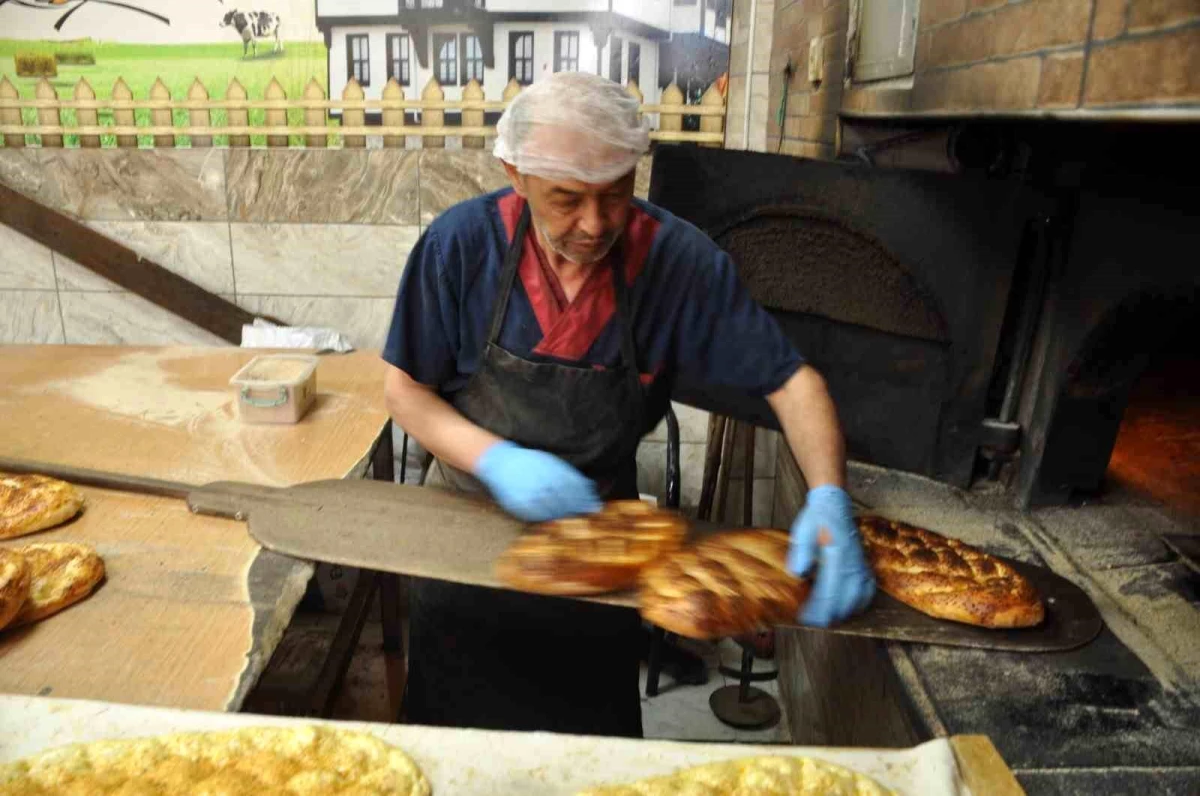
744, 706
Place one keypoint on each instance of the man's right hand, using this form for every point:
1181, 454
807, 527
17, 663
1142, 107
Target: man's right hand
533, 485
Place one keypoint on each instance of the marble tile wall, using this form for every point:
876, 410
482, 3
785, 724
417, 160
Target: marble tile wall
316, 238
749, 74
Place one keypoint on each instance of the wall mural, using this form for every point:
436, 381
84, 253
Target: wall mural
179, 41
645, 43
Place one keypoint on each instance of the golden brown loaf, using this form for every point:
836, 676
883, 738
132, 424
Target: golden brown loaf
30, 503
729, 584
946, 578
593, 554
253, 761
14, 584
761, 776
62, 574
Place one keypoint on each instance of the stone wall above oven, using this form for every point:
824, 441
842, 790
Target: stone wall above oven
1089, 59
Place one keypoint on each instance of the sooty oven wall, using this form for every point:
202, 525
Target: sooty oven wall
1126, 284
893, 284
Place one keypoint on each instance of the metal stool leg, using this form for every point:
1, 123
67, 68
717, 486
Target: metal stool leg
742, 705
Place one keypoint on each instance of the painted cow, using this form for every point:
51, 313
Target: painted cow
252, 26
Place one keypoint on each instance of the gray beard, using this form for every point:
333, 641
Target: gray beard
554, 247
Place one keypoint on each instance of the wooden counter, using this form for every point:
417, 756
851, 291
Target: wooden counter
170, 413
192, 608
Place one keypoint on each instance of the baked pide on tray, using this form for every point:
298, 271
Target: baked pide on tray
728, 584
946, 578
761, 776
592, 554
252, 760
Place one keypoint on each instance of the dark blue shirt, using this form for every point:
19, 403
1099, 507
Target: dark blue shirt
692, 317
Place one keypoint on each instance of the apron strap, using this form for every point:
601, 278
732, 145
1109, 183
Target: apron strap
512, 258
508, 274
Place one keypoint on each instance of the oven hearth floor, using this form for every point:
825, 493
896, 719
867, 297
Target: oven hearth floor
1116, 716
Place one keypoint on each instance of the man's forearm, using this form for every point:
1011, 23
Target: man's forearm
437, 425
810, 424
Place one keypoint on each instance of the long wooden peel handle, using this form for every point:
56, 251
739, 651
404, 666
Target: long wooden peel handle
98, 478
231, 498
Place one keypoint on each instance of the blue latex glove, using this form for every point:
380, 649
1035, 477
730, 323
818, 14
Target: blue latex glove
844, 583
533, 485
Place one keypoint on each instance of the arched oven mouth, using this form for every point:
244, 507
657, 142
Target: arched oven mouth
794, 258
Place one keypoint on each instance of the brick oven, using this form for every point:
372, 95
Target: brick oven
973, 328
979, 220
1005, 241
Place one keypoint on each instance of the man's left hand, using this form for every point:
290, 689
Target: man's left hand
825, 535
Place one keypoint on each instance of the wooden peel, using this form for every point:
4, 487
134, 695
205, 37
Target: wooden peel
442, 535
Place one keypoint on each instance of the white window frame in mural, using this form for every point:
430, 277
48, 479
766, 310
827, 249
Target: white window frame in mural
399, 58
561, 59
353, 63
442, 65
470, 66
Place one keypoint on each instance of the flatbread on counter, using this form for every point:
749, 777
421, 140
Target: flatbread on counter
61, 575
255, 761
761, 776
31, 503
15, 581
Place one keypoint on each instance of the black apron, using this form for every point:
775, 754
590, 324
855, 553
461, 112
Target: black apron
498, 659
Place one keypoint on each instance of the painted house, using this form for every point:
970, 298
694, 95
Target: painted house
494, 41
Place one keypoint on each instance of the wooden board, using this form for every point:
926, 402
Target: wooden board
170, 413
176, 621
493, 763
982, 767
122, 265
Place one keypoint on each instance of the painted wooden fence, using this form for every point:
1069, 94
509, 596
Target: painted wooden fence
161, 120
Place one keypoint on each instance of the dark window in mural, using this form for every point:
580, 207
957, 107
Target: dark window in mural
445, 45
566, 51
358, 58
635, 63
616, 54
472, 59
520, 57
397, 56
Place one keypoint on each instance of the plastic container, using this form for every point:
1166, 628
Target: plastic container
276, 388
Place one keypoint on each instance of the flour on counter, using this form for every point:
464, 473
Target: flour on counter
137, 387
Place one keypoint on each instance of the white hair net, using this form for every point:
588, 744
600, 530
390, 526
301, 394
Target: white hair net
572, 126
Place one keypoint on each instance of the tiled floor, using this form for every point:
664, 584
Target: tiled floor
681, 713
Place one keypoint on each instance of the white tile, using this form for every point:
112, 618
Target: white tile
196, 250
652, 465
691, 472
364, 321
30, 316
321, 259
763, 498
693, 425
759, 111
126, 319
764, 36
25, 264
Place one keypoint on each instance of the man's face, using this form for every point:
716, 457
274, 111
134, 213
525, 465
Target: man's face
579, 220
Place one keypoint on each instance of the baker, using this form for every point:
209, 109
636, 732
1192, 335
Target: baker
536, 336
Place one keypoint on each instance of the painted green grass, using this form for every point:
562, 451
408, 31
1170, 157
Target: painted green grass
178, 65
